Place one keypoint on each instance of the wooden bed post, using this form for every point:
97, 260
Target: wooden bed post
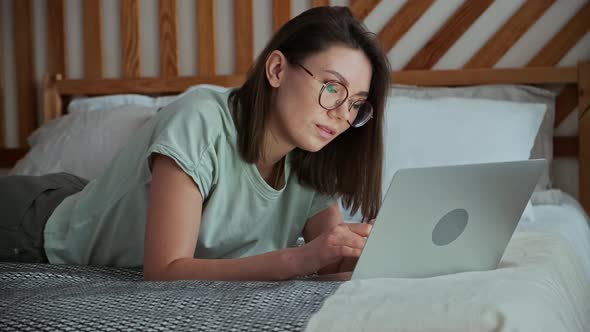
52, 103
584, 133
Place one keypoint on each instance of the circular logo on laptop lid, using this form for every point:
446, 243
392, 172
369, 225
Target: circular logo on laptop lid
449, 227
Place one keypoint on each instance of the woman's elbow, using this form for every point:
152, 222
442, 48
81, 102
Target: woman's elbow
158, 272
154, 274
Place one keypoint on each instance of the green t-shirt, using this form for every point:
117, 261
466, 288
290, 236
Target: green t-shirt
104, 224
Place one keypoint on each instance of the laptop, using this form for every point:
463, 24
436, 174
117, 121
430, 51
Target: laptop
448, 219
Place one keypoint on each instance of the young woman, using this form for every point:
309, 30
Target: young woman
219, 185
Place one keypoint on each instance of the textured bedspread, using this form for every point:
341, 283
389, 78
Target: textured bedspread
40, 297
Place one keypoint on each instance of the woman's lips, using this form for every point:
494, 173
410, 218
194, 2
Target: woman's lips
326, 132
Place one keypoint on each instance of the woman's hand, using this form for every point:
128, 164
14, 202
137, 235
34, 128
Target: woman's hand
340, 241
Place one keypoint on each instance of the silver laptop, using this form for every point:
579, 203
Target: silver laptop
442, 220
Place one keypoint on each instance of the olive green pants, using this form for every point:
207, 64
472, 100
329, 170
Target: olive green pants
26, 202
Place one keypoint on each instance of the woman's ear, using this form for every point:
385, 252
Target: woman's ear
276, 64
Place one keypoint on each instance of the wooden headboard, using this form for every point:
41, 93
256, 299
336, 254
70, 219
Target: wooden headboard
479, 69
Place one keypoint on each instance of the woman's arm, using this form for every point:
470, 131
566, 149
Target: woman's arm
172, 230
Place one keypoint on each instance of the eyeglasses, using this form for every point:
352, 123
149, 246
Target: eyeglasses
333, 94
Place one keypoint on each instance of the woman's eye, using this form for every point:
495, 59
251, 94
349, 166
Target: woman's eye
332, 88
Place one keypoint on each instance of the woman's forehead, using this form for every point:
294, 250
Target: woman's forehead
352, 64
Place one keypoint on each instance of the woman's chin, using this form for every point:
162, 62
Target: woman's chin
312, 146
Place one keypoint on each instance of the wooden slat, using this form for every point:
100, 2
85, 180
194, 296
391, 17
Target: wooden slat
25, 70
565, 103
417, 77
92, 38
52, 101
451, 31
281, 13
2, 133
9, 157
537, 75
206, 39
130, 41
362, 8
244, 41
564, 40
509, 34
56, 38
168, 38
154, 85
402, 21
320, 3
584, 134
565, 147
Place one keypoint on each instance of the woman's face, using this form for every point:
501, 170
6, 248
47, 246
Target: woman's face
297, 119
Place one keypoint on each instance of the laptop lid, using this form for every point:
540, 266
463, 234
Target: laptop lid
448, 219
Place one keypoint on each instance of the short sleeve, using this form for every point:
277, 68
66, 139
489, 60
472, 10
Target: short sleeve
319, 203
186, 131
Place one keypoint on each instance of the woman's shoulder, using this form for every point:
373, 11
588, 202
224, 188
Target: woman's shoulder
199, 109
205, 102
206, 94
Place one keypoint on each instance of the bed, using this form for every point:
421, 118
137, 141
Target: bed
541, 284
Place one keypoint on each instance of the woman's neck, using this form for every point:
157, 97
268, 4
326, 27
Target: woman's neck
270, 166
275, 148
273, 174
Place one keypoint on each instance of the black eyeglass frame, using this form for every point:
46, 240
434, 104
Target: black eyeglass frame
325, 84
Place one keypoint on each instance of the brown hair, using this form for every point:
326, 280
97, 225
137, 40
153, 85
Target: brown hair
351, 164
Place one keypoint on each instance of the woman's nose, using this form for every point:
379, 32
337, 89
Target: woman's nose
340, 112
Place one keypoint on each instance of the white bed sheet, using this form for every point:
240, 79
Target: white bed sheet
542, 284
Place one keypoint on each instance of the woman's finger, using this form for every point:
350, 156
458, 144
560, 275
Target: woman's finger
360, 229
346, 251
347, 238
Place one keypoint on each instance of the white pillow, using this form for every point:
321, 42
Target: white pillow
82, 143
447, 131
543, 147
451, 131
88, 104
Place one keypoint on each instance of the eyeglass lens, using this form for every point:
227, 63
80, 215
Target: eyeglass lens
334, 94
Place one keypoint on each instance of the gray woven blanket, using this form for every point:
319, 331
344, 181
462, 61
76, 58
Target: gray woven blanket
42, 297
